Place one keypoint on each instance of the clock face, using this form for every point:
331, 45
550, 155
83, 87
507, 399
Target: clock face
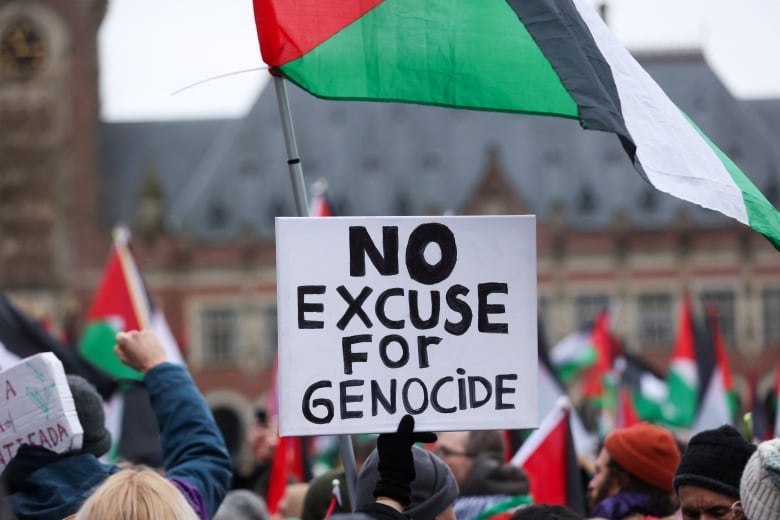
22, 50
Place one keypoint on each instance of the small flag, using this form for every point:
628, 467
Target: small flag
320, 205
683, 377
122, 303
717, 404
549, 460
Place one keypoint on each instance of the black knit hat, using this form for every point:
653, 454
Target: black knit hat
714, 460
89, 407
433, 488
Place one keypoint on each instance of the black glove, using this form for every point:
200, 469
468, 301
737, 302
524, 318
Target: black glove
396, 462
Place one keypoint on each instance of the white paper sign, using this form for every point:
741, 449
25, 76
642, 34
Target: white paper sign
380, 317
37, 408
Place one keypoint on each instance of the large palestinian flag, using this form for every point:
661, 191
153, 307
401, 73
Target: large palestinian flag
547, 57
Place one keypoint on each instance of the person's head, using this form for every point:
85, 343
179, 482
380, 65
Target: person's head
708, 477
458, 449
545, 512
434, 489
489, 476
261, 438
136, 493
641, 459
242, 504
89, 408
759, 488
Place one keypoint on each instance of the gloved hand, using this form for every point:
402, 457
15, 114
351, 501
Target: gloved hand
396, 461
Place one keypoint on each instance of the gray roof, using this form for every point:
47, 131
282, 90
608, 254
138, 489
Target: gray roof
222, 178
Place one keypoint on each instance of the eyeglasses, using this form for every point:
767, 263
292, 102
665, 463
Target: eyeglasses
445, 452
734, 512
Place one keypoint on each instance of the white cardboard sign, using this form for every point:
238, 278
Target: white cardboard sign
380, 317
37, 408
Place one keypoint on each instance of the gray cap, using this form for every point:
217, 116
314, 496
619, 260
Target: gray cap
89, 407
433, 489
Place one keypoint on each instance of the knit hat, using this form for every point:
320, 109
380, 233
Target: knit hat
714, 460
89, 407
433, 489
648, 452
760, 484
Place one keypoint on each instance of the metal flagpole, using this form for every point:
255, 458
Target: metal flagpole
302, 210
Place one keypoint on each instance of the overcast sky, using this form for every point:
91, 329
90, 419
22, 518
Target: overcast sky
151, 48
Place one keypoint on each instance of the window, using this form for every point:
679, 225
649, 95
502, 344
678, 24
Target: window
655, 318
771, 306
220, 336
723, 302
588, 306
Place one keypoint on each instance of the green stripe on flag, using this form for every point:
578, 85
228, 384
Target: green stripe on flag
97, 347
569, 369
475, 55
762, 215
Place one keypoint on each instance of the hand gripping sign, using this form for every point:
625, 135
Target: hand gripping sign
37, 408
380, 317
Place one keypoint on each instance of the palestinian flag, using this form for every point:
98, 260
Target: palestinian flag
717, 401
573, 354
549, 460
551, 57
683, 378
320, 205
121, 303
550, 392
643, 393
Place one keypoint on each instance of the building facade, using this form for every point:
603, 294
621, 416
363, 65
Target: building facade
201, 198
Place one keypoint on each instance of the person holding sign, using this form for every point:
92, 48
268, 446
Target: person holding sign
45, 485
400, 481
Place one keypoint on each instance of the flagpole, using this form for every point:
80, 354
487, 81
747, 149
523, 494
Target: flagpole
293, 160
302, 210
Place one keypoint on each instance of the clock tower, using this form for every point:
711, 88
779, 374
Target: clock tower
49, 123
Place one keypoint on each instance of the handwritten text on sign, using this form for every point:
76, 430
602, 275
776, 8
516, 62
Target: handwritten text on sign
36, 408
379, 317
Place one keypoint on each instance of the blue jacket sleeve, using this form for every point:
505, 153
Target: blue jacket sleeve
193, 448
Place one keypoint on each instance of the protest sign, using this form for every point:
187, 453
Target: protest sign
380, 317
37, 408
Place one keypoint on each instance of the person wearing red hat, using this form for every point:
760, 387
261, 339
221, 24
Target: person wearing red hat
634, 473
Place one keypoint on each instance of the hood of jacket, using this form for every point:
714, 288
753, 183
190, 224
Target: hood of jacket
46, 485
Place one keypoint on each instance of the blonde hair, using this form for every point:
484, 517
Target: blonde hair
136, 493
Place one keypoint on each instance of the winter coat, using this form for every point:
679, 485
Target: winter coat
49, 486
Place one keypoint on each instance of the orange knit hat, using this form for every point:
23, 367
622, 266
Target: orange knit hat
648, 452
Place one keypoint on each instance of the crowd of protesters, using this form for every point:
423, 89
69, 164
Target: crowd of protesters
640, 472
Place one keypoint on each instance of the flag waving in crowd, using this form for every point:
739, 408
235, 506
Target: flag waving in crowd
554, 58
122, 303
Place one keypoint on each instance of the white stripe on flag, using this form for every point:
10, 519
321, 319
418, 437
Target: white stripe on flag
714, 410
537, 438
159, 326
672, 153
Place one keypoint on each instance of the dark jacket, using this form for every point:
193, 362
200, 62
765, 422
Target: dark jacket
45, 485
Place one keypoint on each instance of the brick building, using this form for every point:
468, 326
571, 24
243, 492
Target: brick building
201, 196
